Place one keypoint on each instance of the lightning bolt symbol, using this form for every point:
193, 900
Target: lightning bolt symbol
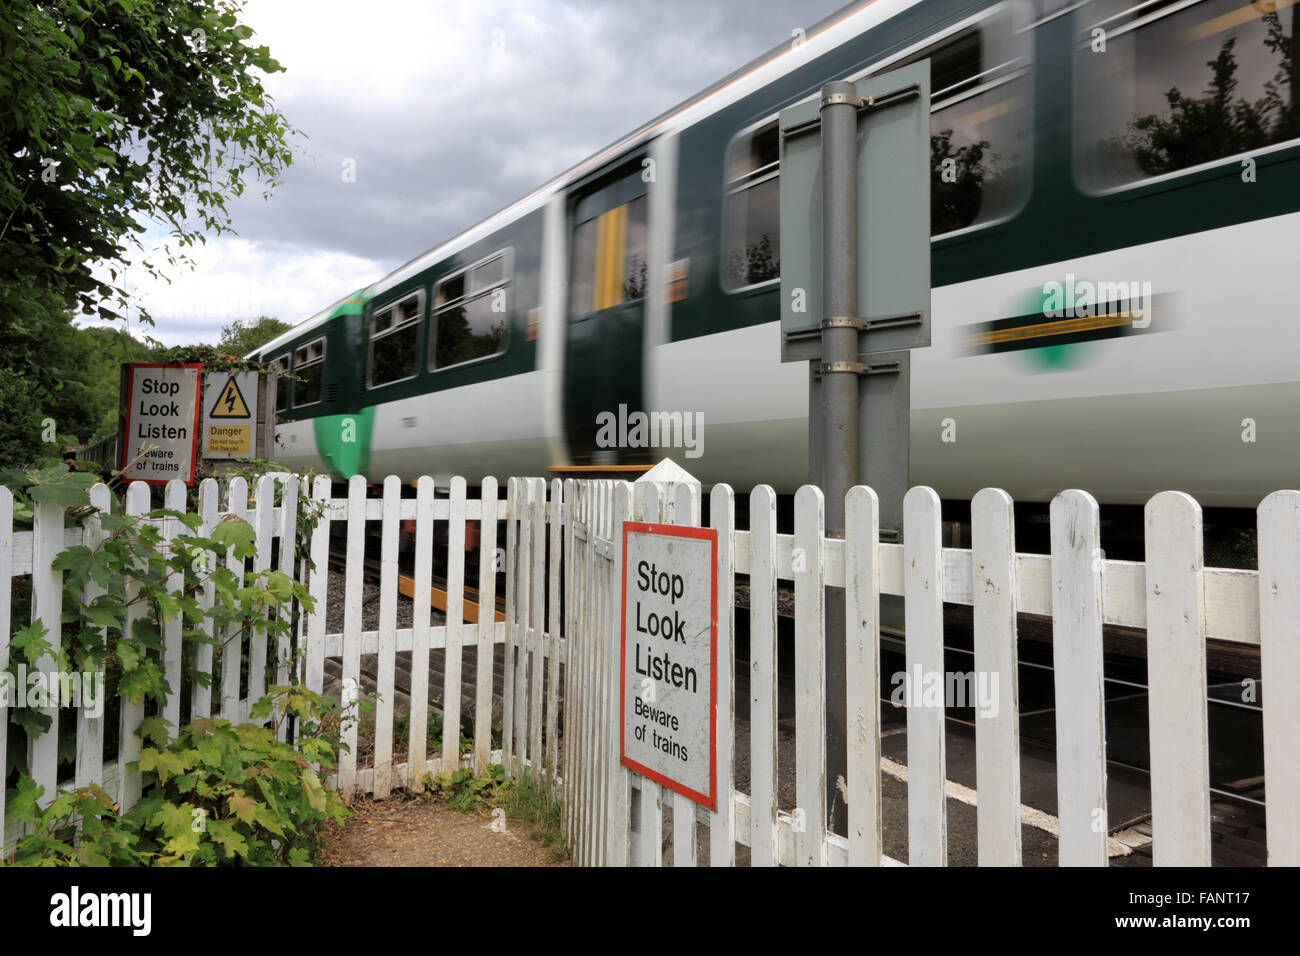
230, 400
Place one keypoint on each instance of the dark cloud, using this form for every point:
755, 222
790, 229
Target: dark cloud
538, 87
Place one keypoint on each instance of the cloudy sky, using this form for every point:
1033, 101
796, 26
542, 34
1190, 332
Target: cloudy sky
449, 110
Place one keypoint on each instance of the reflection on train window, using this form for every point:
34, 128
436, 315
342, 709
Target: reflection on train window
979, 124
394, 334
751, 231
282, 383
472, 316
609, 259
309, 367
1179, 85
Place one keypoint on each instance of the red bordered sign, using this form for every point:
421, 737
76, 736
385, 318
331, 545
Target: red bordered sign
162, 417
668, 705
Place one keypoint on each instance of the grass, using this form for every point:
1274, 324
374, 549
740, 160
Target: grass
534, 807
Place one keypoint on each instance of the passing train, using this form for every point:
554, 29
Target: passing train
1115, 194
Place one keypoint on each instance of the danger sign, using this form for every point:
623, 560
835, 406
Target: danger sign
229, 420
669, 657
161, 422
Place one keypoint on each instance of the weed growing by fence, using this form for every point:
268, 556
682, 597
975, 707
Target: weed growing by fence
226, 795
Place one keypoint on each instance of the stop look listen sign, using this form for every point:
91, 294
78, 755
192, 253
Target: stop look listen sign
669, 691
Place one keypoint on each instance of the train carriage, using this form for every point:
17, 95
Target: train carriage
1116, 189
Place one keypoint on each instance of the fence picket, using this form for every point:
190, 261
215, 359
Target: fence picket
722, 824
1279, 656
513, 510
90, 727
232, 648
762, 682
287, 532
173, 500
354, 564
927, 812
201, 693
617, 823
649, 507
455, 628
386, 667
263, 521
487, 617
537, 626
421, 611
862, 695
556, 519
573, 567
1180, 766
314, 660
686, 511
1077, 675
129, 782
810, 676
997, 735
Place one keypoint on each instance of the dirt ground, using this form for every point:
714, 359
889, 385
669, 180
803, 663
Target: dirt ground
425, 831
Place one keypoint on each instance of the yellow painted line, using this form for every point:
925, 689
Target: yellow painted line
438, 599
1087, 323
1235, 18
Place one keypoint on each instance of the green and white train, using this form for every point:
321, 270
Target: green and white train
1116, 193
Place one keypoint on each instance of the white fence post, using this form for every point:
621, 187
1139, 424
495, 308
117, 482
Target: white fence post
386, 666
129, 782
762, 677
997, 735
862, 694
232, 649
810, 675
201, 694
354, 564
927, 811
90, 729
1077, 674
455, 630
1279, 654
487, 625
421, 615
1176, 679
722, 824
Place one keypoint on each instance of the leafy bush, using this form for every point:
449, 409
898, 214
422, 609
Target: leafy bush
226, 795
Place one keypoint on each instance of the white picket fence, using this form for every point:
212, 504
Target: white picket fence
560, 636
614, 817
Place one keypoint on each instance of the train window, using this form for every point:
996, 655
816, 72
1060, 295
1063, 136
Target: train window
472, 317
634, 250
282, 383
980, 124
1169, 86
309, 367
582, 285
394, 335
609, 259
752, 210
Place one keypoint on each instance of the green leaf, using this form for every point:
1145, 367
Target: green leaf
243, 806
31, 641
313, 790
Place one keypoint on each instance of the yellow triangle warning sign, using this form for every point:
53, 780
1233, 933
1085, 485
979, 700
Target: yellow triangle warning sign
230, 403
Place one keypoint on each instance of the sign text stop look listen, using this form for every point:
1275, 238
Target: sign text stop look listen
670, 656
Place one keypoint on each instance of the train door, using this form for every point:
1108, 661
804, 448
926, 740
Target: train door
605, 317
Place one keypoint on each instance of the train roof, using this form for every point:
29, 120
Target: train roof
829, 32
